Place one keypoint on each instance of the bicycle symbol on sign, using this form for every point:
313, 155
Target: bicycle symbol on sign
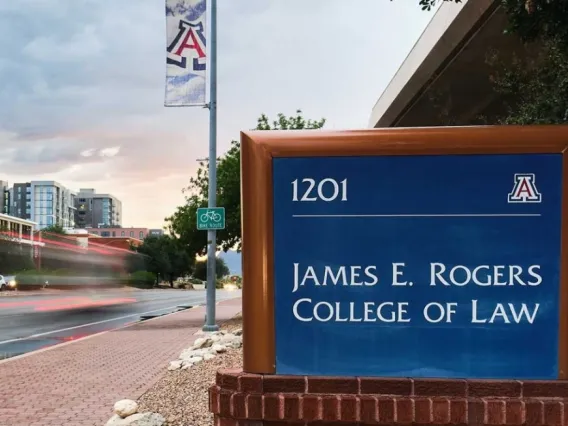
210, 216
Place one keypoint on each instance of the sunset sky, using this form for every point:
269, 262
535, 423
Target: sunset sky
82, 92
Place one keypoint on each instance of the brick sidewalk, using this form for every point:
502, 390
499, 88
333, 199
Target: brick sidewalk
77, 384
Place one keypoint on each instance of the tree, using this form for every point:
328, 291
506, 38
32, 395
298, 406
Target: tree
14, 256
538, 87
183, 222
534, 90
530, 19
54, 229
200, 269
165, 257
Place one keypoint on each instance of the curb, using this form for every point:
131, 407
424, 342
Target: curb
60, 345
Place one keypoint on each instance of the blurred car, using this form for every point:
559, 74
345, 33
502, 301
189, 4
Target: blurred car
8, 282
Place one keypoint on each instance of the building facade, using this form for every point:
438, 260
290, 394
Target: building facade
115, 232
46, 203
5, 193
19, 230
97, 210
447, 78
155, 232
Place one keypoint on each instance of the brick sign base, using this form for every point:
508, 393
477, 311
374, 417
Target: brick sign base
239, 399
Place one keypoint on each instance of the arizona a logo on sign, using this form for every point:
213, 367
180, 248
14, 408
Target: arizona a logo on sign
525, 190
186, 52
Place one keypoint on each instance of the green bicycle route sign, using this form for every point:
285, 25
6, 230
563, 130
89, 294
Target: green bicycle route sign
210, 218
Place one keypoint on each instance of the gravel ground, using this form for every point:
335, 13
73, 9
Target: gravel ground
181, 396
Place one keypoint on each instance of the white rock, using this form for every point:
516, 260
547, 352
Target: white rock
207, 357
215, 338
236, 340
201, 343
140, 419
238, 332
196, 359
219, 348
229, 337
125, 407
175, 365
190, 353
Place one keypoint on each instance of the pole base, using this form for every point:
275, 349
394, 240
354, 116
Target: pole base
210, 328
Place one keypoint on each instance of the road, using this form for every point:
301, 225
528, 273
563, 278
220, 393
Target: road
32, 322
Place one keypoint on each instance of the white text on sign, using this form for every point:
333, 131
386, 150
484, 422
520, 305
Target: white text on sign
365, 276
325, 190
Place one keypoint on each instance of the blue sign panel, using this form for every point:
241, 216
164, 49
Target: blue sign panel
418, 266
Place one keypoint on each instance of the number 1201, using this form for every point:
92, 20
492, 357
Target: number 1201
326, 190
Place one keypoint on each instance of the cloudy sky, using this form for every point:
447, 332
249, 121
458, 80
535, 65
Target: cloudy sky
82, 86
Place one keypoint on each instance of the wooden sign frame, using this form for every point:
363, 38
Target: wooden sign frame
258, 148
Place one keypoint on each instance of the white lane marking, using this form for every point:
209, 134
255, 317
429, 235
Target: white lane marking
90, 336
85, 325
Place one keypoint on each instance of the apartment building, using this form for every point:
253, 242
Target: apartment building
114, 232
95, 210
5, 192
46, 203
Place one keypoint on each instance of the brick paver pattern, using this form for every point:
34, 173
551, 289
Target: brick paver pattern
78, 384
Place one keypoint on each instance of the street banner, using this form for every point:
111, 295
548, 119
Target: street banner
186, 52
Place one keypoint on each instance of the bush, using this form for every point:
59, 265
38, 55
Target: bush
200, 269
142, 279
30, 278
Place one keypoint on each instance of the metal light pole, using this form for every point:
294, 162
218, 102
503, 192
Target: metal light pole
210, 324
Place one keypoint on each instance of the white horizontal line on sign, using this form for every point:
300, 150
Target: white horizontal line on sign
423, 215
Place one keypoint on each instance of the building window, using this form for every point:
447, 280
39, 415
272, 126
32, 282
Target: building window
122, 234
141, 235
105, 234
132, 234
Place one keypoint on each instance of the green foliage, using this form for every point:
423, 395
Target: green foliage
13, 255
535, 89
54, 229
36, 277
429, 4
538, 19
200, 269
530, 19
165, 257
538, 88
135, 261
142, 279
183, 222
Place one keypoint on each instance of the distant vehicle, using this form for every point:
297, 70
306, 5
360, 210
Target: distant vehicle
8, 282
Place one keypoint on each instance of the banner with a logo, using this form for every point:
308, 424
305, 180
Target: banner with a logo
186, 52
